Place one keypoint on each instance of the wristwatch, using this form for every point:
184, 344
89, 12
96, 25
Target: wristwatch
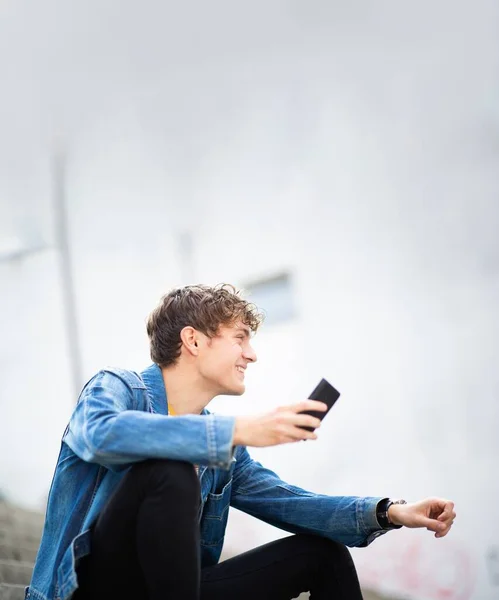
382, 513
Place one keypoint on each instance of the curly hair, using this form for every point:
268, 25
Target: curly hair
200, 306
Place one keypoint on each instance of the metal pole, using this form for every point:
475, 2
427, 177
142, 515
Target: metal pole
67, 283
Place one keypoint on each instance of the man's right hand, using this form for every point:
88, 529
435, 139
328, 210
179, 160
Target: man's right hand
281, 426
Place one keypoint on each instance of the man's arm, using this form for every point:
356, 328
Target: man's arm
350, 520
259, 492
109, 427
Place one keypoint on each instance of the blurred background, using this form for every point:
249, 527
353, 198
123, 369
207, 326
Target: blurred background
339, 161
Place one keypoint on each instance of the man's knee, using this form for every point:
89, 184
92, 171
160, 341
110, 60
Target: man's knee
175, 477
328, 550
335, 552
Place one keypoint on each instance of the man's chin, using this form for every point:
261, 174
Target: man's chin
236, 390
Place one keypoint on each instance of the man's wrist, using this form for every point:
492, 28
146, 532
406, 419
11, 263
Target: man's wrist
237, 438
241, 431
387, 513
392, 513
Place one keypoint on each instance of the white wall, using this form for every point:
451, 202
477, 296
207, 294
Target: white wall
355, 146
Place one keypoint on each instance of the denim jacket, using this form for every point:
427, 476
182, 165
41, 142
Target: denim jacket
122, 418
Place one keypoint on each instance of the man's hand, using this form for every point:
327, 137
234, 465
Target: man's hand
436, 514
281, 426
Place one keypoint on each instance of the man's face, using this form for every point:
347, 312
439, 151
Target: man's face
224, 358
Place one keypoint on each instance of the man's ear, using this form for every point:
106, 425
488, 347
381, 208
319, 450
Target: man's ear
189, 337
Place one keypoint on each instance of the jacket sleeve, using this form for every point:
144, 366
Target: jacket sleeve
350, 520
109, 427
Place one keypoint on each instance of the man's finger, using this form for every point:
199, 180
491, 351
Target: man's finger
447, 521
297, 433
308, 405
439, 506
301, 420
441, 534
434, 525
448, 513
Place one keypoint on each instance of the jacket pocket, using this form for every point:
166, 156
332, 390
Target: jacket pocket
215, 514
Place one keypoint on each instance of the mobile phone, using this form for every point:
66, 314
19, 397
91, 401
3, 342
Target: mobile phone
326, 393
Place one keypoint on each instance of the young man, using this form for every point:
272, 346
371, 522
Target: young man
145, 476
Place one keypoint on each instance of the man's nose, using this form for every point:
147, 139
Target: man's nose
250, 354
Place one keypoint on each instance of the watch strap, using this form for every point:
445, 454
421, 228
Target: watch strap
382, 513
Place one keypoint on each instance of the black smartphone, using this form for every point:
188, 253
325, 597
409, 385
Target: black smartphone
326, 393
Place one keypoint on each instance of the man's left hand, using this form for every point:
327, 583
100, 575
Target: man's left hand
436, 514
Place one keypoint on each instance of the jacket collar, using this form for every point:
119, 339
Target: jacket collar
153, 379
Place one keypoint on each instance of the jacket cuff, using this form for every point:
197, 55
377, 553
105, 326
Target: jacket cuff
220, 433
366, 514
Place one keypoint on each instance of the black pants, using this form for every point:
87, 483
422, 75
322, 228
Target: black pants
157, 501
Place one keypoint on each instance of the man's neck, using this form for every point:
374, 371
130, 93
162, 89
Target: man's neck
185, 392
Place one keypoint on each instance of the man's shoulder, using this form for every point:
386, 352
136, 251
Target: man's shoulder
131, 378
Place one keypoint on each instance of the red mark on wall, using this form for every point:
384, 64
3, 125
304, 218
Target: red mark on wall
443, 572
